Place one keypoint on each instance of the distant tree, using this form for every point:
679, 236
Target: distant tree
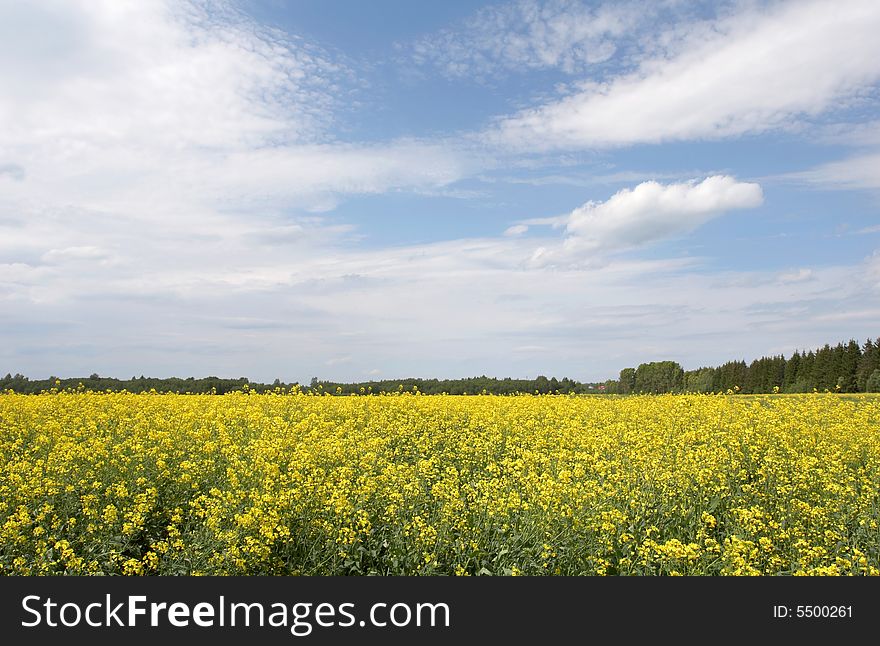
868, 363
791, 372
700, 380
659, 377
542, 384
612, 387
627, 383
806, 378
847, 376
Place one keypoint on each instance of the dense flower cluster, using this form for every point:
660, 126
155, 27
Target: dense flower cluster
287, 483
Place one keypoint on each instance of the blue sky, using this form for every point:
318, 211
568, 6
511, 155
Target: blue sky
355, 190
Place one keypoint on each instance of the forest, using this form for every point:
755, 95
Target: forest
469, 386
846, 368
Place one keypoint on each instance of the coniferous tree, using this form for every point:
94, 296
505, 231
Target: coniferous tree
873, 383
806, 377
792, 367
848, 368
868, 363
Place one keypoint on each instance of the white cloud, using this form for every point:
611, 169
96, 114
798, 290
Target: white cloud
516, 230
157, 159
531, 34
156, 109
156, 74
401, 309
873, 269
798, 276
161, 138
75, 254
590, 179
12, 171
754, 71
338, 361
859, 172
649, 212
865, 134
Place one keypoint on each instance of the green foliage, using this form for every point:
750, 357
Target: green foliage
627, 383
207, 385
873, 383
541, 385
659, 377
844, 368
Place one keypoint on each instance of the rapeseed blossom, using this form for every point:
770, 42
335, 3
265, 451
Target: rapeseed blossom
292, 483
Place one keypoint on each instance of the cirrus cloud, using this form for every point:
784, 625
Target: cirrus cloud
751, 72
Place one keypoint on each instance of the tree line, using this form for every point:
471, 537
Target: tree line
541, 385
21, 384
216, 385
845, 367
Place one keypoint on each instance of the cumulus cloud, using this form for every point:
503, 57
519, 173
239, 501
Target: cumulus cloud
652, 211
649, 212
753, 71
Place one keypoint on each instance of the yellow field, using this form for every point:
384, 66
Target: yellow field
293, 484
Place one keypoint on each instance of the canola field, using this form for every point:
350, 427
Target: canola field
289, 483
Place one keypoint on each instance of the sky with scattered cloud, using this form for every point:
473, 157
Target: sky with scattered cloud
372, 190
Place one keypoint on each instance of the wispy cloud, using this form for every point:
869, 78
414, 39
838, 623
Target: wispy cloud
158, 74
797, 276
757, 70
169, 169
405, 315
166, 137
160, 107
12, 171
516, 230
572, 37
858, 134
588, 179
857, 172
568, 35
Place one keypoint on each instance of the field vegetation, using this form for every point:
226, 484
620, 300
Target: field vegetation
291, 483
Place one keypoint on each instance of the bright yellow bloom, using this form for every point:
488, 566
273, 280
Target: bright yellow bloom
288, 483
